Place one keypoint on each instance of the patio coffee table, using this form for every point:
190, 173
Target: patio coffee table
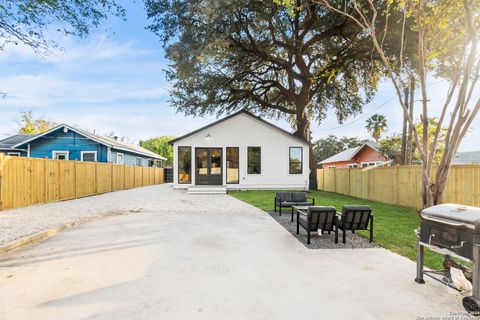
299, 210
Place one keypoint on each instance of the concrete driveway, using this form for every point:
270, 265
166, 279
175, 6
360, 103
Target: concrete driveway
207, 257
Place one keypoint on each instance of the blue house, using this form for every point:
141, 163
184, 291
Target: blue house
68, 143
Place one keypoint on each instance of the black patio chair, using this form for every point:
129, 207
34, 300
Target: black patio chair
290, 199
355, 218
318, 217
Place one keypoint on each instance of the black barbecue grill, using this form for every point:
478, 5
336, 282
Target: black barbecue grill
454, 230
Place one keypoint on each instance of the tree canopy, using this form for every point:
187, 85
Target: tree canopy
28, 124
31, 22
264, 56
376, 125
160, 146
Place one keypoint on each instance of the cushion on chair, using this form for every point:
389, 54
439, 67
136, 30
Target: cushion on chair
299, 196
283, 196
354, 217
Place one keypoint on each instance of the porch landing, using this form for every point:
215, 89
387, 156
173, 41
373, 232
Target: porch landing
207, 190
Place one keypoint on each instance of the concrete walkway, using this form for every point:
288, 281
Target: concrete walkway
225, 260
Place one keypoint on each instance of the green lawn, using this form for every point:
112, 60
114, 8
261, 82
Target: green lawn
393, 225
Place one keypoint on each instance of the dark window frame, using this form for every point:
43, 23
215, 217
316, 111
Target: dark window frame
226, 167
178, 165
248, 160
290, 160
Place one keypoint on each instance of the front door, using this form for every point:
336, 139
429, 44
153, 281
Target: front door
208, 166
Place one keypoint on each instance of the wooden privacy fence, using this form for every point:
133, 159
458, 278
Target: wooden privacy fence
400, 184
26, 181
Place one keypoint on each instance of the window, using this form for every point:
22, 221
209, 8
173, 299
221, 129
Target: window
139, 162
13, 154
233, 176
90, 156
364, 165
331, 167
151, 162
254, 160
184, 164
60, 155
120, 158
158, 163
353, 165
296, 159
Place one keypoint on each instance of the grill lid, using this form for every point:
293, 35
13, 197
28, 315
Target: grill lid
454, 212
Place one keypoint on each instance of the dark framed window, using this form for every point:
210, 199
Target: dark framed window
254, 160
184, 165
296, 160
233, 157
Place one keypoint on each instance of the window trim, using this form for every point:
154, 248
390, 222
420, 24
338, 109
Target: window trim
254, 174
226, 165
191, 165
54, 152
331, 167
14, 154
290, 160
141, 162
123, 158
83, 152
352, 165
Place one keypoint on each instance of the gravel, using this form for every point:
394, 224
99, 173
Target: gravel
22, 222
326, 241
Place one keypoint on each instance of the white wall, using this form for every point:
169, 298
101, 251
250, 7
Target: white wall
244, 131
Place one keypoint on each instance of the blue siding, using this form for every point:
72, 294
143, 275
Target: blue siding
60, 141
129, 159
75, 143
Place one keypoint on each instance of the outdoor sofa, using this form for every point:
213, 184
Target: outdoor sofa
290, 199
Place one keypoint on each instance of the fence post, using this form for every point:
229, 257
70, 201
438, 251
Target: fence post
75, 177
1, 179
96, 178
45, 178
111, 176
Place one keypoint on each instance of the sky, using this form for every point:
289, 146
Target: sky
114, 81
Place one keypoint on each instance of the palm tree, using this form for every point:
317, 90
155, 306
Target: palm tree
376, 125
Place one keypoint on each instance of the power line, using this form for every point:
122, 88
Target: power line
376, 109
362, 117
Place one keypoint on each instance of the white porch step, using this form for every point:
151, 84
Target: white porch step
207, 190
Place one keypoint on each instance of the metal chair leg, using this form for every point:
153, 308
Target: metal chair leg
292, 214
344, 238
308, 236
371, 229
298, 227
336, 234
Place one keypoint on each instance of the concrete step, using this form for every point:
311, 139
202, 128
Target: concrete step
207, 190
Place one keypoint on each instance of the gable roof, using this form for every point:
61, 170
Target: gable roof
116, 144
10, 142
243, 111
467, 157
348, 154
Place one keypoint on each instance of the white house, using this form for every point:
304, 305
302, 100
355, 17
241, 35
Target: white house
241, 151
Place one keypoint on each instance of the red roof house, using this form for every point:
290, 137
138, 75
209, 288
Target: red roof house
366, 155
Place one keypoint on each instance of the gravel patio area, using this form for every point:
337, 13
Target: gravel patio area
317, 241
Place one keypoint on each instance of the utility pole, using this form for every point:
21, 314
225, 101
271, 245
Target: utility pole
403, 157
409, 148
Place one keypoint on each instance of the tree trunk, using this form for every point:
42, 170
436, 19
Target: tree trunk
403, 157
303, 132
409, 155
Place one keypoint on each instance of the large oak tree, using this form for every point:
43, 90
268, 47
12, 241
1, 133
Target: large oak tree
282, 61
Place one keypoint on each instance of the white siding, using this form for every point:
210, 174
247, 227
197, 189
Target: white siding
244, 131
